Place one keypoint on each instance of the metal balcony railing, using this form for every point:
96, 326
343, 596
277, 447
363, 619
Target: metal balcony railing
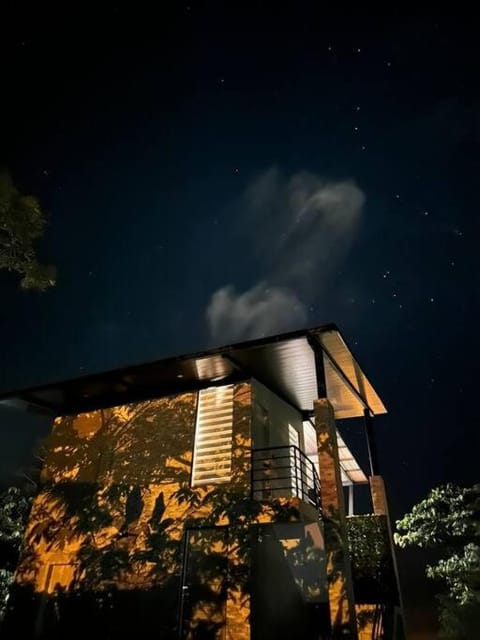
284, 472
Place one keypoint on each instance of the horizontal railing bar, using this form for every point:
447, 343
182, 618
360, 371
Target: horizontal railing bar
269, 466
273, 479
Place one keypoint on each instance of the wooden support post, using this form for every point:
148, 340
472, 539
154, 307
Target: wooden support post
341, 598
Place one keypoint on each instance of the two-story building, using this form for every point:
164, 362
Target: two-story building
203, 497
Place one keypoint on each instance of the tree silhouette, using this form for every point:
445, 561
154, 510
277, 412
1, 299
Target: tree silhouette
22, 222
448, 522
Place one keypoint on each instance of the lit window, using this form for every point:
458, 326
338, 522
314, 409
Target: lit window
212, 455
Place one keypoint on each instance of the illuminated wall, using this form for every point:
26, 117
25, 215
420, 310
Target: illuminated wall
110, 480
119, 519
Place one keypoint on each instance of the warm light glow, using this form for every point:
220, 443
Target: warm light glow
212, 456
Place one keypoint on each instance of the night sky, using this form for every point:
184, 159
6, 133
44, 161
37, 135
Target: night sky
215, 173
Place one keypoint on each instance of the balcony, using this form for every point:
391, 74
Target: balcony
284, 472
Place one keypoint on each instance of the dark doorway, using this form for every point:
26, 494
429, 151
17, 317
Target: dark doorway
203, 597
279, 608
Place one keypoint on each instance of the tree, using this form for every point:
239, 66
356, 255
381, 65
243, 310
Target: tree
448, 522
14, 510
22, 222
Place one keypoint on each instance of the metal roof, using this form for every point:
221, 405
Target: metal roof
286, 363
338, 359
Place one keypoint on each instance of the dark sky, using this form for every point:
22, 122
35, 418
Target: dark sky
225, 170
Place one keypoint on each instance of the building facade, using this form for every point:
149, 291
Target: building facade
203, 497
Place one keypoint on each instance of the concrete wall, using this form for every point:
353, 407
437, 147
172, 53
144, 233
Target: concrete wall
113, 513
119, 529
270, 410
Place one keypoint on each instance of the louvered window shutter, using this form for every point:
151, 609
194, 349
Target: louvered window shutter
212, 455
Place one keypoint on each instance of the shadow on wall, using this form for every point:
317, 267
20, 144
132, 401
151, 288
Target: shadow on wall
120, 543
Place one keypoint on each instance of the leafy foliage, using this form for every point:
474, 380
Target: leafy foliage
368, 542
14, 509
369, 546
448, 521
22, 222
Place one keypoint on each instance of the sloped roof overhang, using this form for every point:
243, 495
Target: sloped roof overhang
286, 363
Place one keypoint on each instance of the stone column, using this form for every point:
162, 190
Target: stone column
240, 481
339, 572
379, 497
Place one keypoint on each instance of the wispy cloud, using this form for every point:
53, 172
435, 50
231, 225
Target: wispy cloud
302, 226
259, 311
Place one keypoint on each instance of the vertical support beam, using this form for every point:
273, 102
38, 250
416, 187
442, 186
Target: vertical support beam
340, 587
238, 605
319, 366
379, 500
380, 508
350, 500
242, 439
371, 446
